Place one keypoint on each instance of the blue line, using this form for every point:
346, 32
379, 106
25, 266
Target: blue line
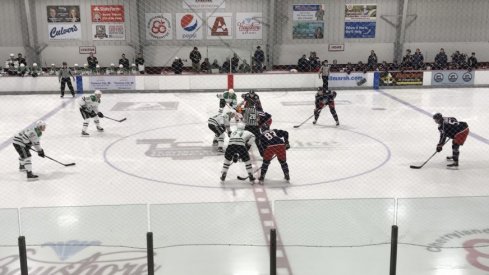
6, 143
424, 112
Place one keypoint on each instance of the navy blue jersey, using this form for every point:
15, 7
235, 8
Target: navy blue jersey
252, 100
450, 127
264, 118
324, 98
273, 137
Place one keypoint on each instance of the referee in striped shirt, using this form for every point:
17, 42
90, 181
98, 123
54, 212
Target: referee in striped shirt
64, 78
324, 74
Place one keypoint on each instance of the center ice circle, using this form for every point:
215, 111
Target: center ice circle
318, 155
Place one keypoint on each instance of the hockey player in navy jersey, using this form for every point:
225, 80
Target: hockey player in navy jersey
274, 143
458, 131
325, 98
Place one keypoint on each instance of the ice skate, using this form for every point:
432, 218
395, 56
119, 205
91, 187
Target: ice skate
337, 123
287, 177
85, 134
453, 165
223, 177
100, 129
314, 122
252, 179
31, 177
261, 180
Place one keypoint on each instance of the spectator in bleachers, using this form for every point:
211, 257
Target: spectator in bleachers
124, 62
472, 62
226, 66
21, 60
407, 61
35, 70
441, 60
195, 57
259, 59
22, 70
334, 66
360, 67
303, 64
349, 68
244, 67
86, 70
177, 66
372, 61
215, 66
314, 62
111, 70
76, 70
205, 67
134, 69
384, 67
139, 62
92, 62
234, 63
52, 70
418, 60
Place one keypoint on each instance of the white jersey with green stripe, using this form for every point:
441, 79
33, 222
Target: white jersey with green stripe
90, 102
230, 99
29, 137
241, 137
219, 120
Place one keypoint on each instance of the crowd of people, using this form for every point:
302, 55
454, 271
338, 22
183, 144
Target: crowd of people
17, 66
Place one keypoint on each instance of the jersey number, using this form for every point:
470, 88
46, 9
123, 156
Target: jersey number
270, 135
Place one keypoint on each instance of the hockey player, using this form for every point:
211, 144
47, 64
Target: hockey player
228, 97
23, 142
219, 124
239, 143
458, 131
264, 118
251, 99
274, 143
89, 109
323, 98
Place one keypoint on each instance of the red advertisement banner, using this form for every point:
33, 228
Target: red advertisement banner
108, 13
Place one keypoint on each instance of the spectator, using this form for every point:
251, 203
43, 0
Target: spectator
177, 65
314, 62
418, 60
11, 65
195, 57
303, 64
349, 68
111, 70
124, 62
259, 59
372, 61
122, 70
140, 63
394, 66
245, 67
205, 67
384, 67
334, 66
22, 70
226, 66
92, 62
441, 60
407, 61
35, 71
21, 60
472, 62
360, 67
134, 69
215, 67
234, 63
52, 70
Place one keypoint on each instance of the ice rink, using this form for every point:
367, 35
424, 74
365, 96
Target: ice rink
163, 154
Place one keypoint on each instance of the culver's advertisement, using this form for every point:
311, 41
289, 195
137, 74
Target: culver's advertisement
452, 78
64, 31
113, 82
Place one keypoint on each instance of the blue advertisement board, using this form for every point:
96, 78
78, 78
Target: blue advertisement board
360, 29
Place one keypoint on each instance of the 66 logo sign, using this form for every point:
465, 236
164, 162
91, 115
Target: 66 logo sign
159, 26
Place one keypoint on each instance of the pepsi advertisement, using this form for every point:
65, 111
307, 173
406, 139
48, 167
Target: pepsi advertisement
189, 26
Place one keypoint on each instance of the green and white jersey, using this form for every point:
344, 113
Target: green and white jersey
219, 120
90, 102
230, 98
30, 137
241, 137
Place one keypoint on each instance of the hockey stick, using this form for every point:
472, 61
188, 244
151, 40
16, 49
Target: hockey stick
421, 166
64, 164
297, 126
118, 120
256, 170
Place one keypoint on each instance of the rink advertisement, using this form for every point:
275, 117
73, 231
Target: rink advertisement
345, 80
103, 31
360, 20
308, 12
189, 26
123, 82
159, 26
203, 4
401, 79
64, 31
219, 26
249, 25
63, 14
107, 13
452, 78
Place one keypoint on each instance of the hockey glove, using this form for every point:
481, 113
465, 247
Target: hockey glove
247, 147
100, 114
229, 133
93, 114
439, 147
40, 153
287, 146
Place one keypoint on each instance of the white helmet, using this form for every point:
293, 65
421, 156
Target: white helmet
40, 123
85, 65
112, 64
34, 64
97, 92
76, 65
98, 66
22, 65
121, 66
52, 64
12, 54
231, 91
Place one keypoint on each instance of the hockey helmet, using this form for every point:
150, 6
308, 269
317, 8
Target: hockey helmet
98, 93
438, 117
231, 91
40, 124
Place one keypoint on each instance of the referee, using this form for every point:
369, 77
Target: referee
64, 78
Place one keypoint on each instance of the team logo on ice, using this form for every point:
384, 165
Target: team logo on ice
169, 148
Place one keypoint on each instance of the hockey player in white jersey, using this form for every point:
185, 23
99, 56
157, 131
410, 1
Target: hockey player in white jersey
219, 124
23, 141
239, 143
89, 109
